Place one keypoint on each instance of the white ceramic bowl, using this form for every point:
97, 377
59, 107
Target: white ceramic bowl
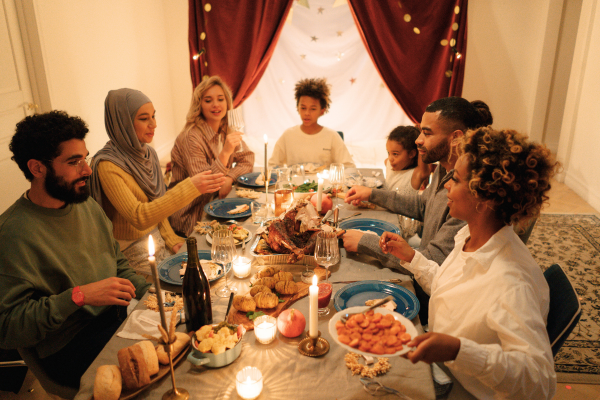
211, 360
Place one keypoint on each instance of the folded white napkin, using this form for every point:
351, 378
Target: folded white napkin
145, 322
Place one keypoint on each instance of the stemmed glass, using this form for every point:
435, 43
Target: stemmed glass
223, 252
336, 177
327, 253
235, 121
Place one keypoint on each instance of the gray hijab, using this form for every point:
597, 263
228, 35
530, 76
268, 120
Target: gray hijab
124, 148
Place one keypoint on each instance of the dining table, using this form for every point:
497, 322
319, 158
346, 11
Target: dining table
287, 374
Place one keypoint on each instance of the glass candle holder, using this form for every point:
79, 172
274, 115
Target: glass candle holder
241, 267
249, 383
265, 328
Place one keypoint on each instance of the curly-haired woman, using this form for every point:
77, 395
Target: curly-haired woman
205, 144
489, 299
311, 142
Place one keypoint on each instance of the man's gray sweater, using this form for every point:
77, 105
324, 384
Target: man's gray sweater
431, 207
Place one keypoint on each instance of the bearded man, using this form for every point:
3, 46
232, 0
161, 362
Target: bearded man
442, 126
64, 283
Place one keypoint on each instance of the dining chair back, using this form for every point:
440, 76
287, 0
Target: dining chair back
525, 231
50, 386
341, 134
565, 309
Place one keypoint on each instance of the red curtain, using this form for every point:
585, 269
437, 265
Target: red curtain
414, 45
238, 39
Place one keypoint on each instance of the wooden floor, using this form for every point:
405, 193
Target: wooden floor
562, 200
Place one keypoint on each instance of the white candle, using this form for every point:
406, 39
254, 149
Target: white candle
249, 383
266, 138
313, 292
265, 329
159, 298
319, 192
241, 267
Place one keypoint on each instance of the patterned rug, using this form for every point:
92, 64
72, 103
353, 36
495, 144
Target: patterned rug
573, 241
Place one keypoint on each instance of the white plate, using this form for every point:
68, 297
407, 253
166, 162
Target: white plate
410, 328
238, 243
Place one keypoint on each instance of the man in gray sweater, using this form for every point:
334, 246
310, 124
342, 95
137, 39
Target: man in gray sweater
442, 126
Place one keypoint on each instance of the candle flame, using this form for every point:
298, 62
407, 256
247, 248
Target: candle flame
150, 246
315, 280
266, 138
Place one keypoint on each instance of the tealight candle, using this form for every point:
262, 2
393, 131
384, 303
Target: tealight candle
313, 291
249, 383
241, 267
265, 328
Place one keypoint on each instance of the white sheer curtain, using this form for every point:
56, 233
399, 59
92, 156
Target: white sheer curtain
322, 41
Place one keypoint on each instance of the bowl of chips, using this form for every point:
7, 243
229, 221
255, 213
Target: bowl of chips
216, 345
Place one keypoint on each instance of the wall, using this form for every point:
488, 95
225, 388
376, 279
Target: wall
91, 47
579, 140
504, 55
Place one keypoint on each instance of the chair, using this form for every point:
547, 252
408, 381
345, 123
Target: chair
341, 134
565, 309
50, 386
525, 231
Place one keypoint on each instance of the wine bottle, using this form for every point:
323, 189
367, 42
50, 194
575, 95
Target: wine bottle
196, 291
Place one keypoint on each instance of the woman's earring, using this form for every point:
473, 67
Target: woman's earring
477, 207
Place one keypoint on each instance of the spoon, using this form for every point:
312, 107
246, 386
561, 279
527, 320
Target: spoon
375, 305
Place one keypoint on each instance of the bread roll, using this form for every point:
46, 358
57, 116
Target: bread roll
266, 300
244, 303
284, 276
259, 288
107, 385
149, 356
133, 367
268, 282
267, 272
286, 287
182, 340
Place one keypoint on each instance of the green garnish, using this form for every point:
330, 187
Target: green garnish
252, 315
306, 187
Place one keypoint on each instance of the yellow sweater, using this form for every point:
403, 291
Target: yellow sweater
127, 206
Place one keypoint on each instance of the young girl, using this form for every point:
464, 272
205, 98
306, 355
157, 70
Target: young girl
402, 158
311, 142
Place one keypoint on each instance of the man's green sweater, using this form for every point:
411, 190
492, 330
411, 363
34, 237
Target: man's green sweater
44, 254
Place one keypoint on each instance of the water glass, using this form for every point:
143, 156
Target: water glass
223, 252
235, 121
259, 212
336, 177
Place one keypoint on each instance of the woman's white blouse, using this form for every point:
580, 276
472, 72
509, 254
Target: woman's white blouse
495, 300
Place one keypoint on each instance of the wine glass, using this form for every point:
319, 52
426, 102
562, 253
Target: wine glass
235, 121
222, 252
336, 177
327, 253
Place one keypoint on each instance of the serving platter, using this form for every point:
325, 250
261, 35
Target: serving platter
356, 294
370, 225
410, 329
249, 179
220, 208
168, 269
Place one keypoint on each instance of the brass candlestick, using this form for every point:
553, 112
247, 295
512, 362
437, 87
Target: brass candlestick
313, 346
172, 394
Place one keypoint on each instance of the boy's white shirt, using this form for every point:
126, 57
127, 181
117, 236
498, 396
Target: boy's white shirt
323, 148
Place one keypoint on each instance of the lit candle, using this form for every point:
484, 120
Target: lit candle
241, 267
319, 192
265, 329
266, 138
313, 291
249, 383
159, 297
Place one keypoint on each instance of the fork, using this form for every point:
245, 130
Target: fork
345, 317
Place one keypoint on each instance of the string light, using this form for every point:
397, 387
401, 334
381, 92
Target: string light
197, 56
458, 55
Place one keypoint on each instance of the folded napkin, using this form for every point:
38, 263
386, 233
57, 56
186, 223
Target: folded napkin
146, 322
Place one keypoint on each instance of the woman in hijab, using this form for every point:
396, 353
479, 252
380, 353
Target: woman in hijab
127, 181
206, 143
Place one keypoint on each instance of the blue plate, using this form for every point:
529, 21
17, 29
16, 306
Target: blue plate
250, 179
355, 294
369, 224
219, 208
168, 269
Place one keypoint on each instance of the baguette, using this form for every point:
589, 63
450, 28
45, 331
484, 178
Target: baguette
182, 339
149, 356
107, 385
133, 367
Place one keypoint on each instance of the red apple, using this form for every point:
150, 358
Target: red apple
326, 202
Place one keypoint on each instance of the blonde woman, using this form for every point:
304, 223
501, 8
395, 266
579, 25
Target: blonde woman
206, 143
